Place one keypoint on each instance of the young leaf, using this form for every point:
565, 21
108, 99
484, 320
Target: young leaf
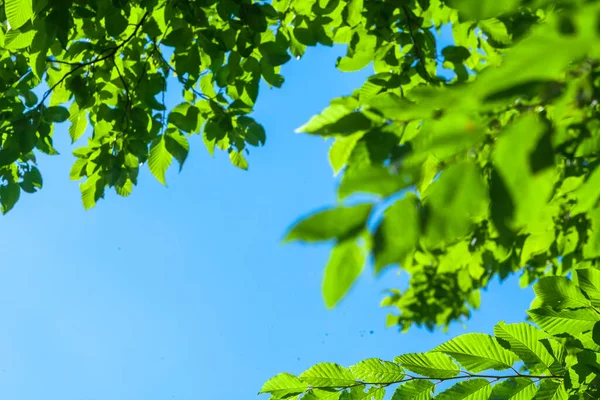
284, 384
18, 12
238, 159
345, 265
340, 151
376, 180
326, 375
78, 119
524, 340
514, 389
160, 159
9, 195
572, 322
478, 352
91, 191
359, 393
457, 199
374, 370
551, 390
333, 223
559, 292
177, 144
473, 389
432, 365
528, 192
335, 119
483, 9
589, 281
32, 180
354, 9
414, 390
398, 233
56, 114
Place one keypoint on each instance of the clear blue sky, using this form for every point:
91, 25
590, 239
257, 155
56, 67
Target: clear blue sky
186, 292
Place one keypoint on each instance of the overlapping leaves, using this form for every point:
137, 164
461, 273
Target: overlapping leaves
529, 362
489, 171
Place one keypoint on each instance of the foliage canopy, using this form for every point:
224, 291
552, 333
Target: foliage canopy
478, 158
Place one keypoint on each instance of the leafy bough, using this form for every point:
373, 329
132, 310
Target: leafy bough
556, 357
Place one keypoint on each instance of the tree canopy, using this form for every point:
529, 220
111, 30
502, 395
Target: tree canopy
460, 162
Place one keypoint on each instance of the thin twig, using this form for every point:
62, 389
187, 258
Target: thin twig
410, 378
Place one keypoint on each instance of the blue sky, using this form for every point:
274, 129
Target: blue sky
186, 292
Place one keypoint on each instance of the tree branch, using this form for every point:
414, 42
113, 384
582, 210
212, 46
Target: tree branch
465, 375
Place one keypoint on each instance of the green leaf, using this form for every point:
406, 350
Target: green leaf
559, 292
374, 370
588, 193
78, 119
159, 159
482, 9
9, 195
91, 191
115, 23
344, 266
455, 201
124, 187
414, 390
398, 233
589, 281
524, 340
572, 322
18, 12
284, 384
360, 52
478, 352
473, 389
56, 114
591, 249
335, 119
177, 144
514, 389
345, 125
433, 365
529, 190
375, 180
551, 390
78, 169
185, 117
333, 223
495, 29
32, 180
535, 244
238, 159
360, 393
326, 375
341, 149
19, 39
354, 9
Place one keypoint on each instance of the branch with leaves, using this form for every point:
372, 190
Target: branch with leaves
555, 360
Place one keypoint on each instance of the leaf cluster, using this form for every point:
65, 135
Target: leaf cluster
555, 358
485, 174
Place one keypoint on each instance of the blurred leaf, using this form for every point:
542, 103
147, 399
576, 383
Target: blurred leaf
333, 223
344, 266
